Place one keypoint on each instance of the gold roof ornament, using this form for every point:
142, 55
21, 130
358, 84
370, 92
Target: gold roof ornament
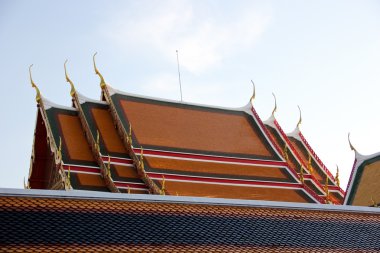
129, 190
59, 151
72, 91
373, 202
349, 141
109, 166
102, 82
254, 92
275, 104
300, 119
163, 185
327, 188
301, 174
68, 181
309, 166
142, 159
130, 134
337, 176
286, 156
97, 141
38, 93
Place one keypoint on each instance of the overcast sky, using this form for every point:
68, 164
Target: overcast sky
321, 55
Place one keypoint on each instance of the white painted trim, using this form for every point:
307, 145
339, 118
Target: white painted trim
221, 162
122, 164
295, 134
270, 121
127, 182
113, 91
83, 99
48, 104
76, 194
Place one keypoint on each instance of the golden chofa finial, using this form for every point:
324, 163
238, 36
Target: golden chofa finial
349, 141
102, 82
300, 120
275, 104
38, 94
254, 92
72, 92
337, 176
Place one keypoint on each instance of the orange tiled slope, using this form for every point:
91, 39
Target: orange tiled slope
195, 129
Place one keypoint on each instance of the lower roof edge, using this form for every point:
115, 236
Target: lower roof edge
93, 195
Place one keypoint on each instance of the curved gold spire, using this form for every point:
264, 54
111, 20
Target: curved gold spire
254, 92
300, 120
102, 82
72, 91
38, 94
349, 141
275, 104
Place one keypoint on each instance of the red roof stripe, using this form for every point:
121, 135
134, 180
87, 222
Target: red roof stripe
223, 180
76, 168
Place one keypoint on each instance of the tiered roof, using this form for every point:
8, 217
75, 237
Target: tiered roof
130, 143
302, 159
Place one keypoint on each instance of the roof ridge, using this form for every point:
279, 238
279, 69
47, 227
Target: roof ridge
113, 91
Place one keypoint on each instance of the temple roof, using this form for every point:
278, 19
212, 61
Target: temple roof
46, 221
137, 144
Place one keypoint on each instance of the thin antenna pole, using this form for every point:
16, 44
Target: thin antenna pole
179, 75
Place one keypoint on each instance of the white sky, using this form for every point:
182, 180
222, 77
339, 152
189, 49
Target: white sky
321, 55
